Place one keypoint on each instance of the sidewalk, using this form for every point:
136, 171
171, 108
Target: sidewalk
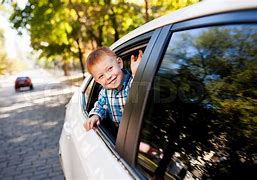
74, 79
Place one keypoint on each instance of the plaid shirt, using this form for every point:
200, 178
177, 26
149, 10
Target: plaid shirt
112, 101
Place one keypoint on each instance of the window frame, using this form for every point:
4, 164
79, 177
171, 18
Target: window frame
154, 59
146, 40
87, 80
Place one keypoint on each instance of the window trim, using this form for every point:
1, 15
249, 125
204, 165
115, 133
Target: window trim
142, 39
140, 90
235, 17
86, 83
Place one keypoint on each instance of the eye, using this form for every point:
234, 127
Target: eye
110, 68
100, 77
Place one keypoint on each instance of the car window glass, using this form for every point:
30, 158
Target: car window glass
87, 93
201, 117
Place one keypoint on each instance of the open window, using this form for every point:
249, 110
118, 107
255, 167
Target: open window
107, 128
126, 55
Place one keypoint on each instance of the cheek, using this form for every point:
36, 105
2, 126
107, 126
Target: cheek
117, 71
102, 82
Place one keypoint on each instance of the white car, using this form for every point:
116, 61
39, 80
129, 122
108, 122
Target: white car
191, 112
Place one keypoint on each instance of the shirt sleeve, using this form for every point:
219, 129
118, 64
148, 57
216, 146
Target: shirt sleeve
100, 106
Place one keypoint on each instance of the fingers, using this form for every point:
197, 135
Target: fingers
133, 58
98, 123
140, 54
91, 123
139, 57
87, 125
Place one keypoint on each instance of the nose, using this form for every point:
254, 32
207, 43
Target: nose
108, 76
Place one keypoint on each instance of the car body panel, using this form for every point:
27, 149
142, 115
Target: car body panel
77, 146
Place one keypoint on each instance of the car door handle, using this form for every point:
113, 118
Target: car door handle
67, 129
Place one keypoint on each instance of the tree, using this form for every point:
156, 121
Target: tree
66, 30
63, 29
50, 29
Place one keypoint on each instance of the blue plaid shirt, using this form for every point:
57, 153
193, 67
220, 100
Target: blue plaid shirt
112, 101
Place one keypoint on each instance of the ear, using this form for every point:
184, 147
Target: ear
120, 62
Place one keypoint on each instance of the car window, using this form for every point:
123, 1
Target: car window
201, 118
21, 78
88, 90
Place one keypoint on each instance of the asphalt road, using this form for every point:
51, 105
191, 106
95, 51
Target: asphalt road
30, 127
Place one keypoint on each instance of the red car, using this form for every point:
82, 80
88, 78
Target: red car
23, 82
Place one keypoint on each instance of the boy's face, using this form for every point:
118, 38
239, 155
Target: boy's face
108, 72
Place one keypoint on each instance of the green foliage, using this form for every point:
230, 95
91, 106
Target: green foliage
162, 7
3, 58
67, 28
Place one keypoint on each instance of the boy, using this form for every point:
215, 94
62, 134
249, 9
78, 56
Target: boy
107, 70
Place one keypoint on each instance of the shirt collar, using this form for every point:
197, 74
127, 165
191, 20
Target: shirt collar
125, 80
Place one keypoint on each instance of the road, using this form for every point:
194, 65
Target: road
30, 127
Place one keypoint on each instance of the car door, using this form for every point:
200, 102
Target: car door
71, 161
196, 115
86, 155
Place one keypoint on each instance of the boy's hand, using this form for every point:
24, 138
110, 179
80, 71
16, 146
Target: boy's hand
91, 122
135, 62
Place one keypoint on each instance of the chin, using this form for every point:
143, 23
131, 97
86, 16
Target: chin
114, 86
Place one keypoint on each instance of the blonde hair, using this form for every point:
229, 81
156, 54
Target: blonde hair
96, 56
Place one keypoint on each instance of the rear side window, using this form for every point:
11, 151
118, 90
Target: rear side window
201, 118
88, 90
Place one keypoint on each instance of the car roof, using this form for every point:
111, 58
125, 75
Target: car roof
206, 7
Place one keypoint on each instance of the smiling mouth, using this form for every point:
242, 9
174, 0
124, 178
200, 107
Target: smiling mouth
112, 80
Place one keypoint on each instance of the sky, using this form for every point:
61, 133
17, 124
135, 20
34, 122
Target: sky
16, 46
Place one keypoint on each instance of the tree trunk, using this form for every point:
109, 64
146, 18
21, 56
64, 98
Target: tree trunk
65, 68
146, 11
99, 39
80, 58
114, 24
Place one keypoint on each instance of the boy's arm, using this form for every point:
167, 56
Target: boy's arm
91, 122
135, 62
100, 106
97, 113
